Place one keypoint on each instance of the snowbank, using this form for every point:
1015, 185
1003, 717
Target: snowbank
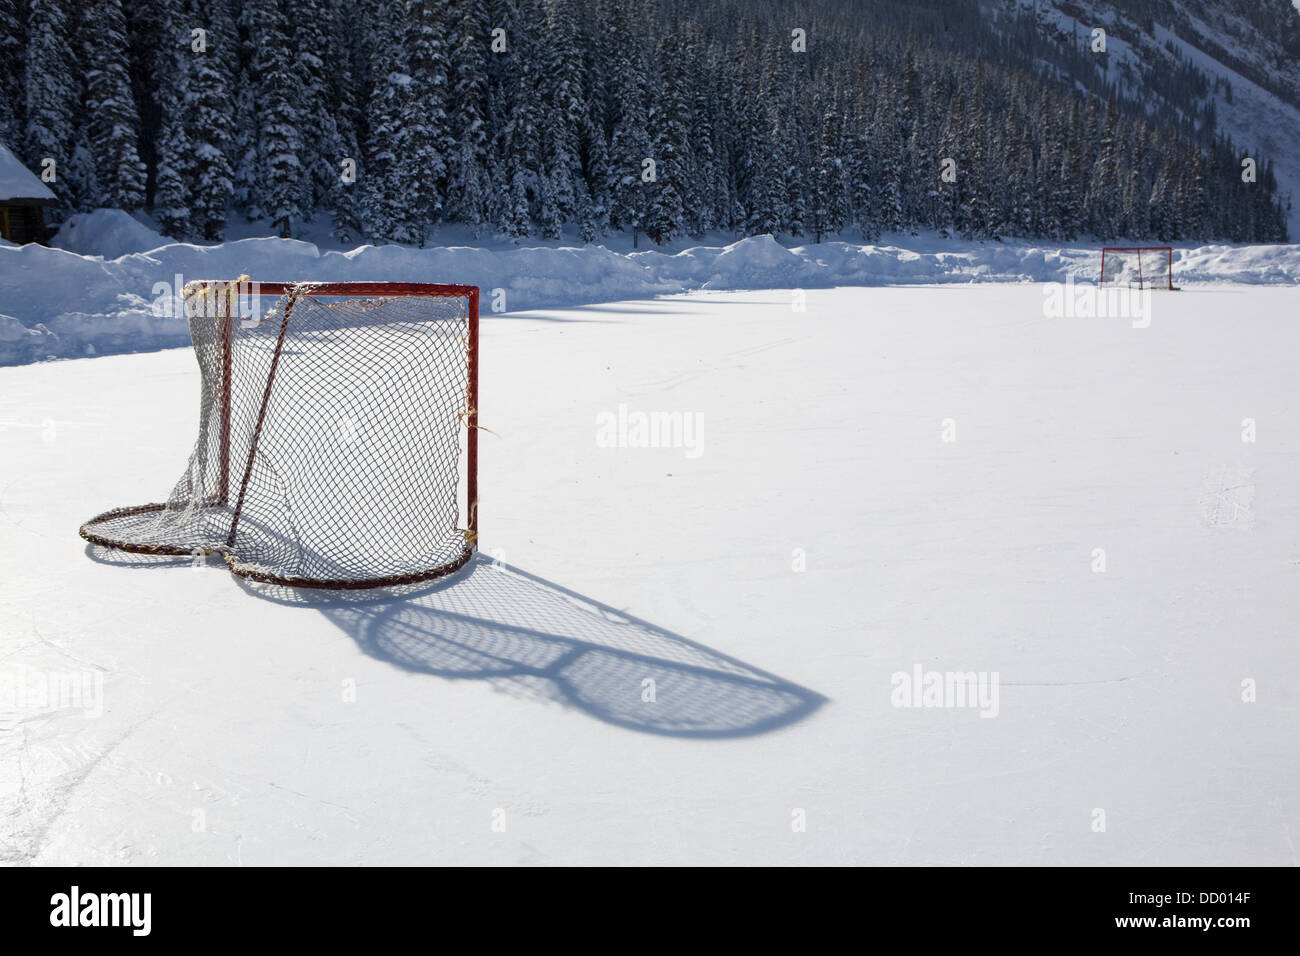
106, 232
58, 303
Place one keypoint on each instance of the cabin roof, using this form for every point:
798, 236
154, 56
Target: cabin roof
17, 182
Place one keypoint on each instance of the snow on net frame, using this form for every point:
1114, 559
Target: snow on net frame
251, 520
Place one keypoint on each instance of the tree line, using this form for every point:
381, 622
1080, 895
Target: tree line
662, 118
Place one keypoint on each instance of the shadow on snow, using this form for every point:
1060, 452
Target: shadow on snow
535, 639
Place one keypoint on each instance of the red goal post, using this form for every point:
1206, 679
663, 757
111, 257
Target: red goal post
1154, 266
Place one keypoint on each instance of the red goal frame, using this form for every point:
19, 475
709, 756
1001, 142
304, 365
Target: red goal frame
1166, 251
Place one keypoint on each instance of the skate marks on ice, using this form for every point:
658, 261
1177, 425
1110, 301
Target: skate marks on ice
1228, 497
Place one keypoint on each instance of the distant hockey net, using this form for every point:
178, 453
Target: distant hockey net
1138, 267
337, 436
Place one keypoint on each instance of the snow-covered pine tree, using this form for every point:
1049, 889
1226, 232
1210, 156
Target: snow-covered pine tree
1020, 210
669, 120
562, 115
247, 194
422, 141
768, 197
913, 153
1162, 195
982, 165
346, 75
951, 208
309, 24
1046, 163
1193, 178
1273, 213
722, 135
792, 147
1069, 192
279, 141
174, 173
1103, 194
469, 185
746, 141
630, 142
829, 205
383, 190
209, 125
110, 107
171, 201
703, 196
13, 85
499, 70
53, 103
1134, 188
876, 198
594, 203
518, 118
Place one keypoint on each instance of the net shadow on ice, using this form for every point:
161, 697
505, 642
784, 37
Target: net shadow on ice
535, 639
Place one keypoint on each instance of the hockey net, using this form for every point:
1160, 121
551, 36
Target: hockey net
337, 436
1138, 267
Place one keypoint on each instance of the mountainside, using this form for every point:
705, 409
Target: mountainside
1233, 62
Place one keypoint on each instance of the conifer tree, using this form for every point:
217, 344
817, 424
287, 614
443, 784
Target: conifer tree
110, 107
314, 57
828, 197
469, 183
630, 142
174, 172
13, 84
279, 144
209, 126
668, 122
53, 101
421, 140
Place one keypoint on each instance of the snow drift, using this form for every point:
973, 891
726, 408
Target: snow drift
56, 303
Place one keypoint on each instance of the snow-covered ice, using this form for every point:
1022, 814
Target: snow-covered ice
228, 725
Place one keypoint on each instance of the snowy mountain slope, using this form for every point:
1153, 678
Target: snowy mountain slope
1255, 118
1253, 73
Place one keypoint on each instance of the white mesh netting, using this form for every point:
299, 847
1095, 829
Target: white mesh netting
335, 440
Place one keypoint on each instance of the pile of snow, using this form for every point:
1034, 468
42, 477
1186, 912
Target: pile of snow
70, 305
107, 232
20, 344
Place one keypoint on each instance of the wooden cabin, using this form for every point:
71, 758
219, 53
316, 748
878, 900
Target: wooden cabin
23, 198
